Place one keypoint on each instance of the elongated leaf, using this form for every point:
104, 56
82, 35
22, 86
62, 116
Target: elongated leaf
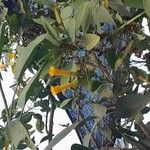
26, 56
61, 135
2, 31
28, 90
90, 40
146, 4
64, 133
49, 28
80, 14
17, 132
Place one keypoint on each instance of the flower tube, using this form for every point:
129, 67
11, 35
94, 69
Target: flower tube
60, 88
59, 72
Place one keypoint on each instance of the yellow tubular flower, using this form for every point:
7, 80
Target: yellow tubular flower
59, 72
60, 88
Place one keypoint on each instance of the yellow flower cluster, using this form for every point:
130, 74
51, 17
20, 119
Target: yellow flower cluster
59, 72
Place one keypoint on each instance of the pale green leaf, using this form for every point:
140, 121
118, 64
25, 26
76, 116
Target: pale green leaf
146, 4
99, 111
80, 14
26, 56
105, 16
90, 40
106, 90
17, 132
86, 140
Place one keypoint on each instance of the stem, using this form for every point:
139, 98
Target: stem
51, 118
130, 21
5, 102
12, 105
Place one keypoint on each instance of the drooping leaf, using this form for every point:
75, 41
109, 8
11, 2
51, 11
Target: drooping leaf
64, 133
90, 40
26, 55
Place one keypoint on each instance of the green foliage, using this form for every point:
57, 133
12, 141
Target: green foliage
80, 37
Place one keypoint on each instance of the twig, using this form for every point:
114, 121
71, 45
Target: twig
130, 21
5, 102
46, 122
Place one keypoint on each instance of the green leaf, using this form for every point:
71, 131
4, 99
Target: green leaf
49, 28
39, 122
86, 140
105, 16
106, 90
26, 56
131, 104
26, 117
2, 39
133, 3
146, 4
53, 59
78, 147
99, 111
81, 14
14, 23
64, 133
90, 40
17, 132
64, 103
28, 90
39, 125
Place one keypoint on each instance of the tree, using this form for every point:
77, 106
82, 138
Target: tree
79, 52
